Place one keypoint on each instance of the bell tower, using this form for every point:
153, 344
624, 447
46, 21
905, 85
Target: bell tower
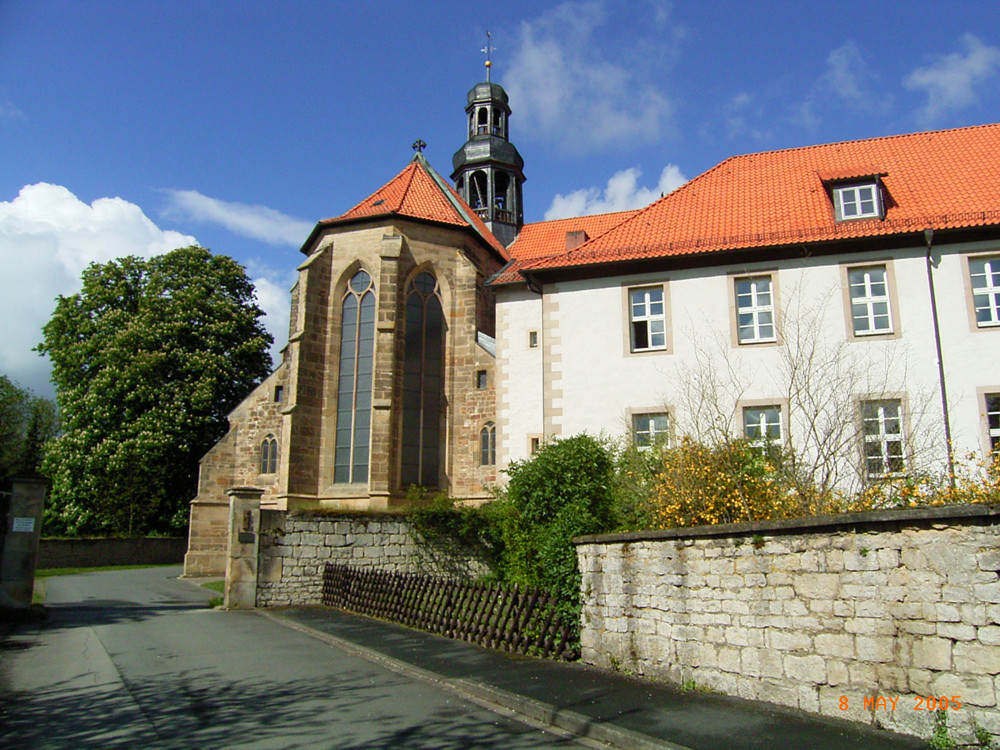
488, 170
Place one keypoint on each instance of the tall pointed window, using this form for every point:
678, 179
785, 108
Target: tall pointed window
488, 445
269, 455
354, 385
423, 383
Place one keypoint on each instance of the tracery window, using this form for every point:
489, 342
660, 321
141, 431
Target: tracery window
423, 383
354, 383
269, 455
488, 445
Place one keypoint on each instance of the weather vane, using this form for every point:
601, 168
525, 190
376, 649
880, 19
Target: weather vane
419, 146
488, 49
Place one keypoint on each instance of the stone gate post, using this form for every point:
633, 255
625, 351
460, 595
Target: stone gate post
22, 528
244, 542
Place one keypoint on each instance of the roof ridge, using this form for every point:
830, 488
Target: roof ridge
586, 216
406, 190
853, 141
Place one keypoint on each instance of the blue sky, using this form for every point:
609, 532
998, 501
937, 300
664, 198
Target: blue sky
137, 127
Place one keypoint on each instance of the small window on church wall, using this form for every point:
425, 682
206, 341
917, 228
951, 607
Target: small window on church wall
279, 393
423, 383
481, 379
533, 339
488, 445
354, 381
269, 455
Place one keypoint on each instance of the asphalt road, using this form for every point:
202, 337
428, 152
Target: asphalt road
135, 659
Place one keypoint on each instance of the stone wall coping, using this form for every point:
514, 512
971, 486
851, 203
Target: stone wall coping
811, 524
233, 491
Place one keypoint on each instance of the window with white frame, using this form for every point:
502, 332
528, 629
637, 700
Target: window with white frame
762, 424
754, 310
882, 429
993, 422
985, 276
650, 429
869, 290
857, 201
648, 318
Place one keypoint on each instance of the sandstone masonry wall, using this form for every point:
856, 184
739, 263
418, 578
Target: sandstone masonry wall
294, 550
896, 604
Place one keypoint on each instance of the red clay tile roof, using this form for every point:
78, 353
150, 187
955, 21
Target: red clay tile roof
546, 237
418, 192
943, 179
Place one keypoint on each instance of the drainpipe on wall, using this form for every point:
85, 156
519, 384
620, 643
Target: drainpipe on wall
929, 238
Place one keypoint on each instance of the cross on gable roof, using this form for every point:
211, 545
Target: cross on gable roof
418, 192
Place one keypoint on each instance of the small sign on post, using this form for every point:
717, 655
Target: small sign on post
25, 525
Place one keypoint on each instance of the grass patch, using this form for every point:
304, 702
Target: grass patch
50, 572
38, 593
218, 586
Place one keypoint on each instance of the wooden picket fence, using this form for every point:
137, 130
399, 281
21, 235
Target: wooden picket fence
507, 618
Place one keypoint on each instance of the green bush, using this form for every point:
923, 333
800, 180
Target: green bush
562, 492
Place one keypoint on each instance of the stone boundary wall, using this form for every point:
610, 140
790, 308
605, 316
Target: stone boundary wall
817, 614
93, 553
295, 548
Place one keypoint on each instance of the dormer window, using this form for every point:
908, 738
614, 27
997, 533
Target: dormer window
857, 201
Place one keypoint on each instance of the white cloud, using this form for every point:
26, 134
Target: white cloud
10, 111
622, 192
569, 92
256, 222
951, 82
848, 82
275, 301
48, 236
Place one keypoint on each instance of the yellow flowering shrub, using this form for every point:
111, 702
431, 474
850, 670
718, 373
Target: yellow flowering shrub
735, 481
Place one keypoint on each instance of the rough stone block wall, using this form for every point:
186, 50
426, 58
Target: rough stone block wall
904, 605
294, 549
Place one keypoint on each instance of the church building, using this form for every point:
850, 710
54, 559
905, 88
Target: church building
841, 299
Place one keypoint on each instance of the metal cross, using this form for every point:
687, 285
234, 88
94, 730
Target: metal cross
488, 49
419, 146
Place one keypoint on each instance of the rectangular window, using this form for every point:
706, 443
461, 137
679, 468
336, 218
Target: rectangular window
762, 424
650, 429
857, 202
754, 310
481, 379
533, 339
648, 318
993, 422
279, 392
535, 444
882, 428
985, 276
870, 307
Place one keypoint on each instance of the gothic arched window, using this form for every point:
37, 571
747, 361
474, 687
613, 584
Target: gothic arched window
354, 382
488, 445
423, 383
269, 455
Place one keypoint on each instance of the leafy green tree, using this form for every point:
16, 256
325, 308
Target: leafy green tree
148, 359
27, 423
14, 405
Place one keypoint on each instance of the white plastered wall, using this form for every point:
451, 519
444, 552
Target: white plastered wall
593, 383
